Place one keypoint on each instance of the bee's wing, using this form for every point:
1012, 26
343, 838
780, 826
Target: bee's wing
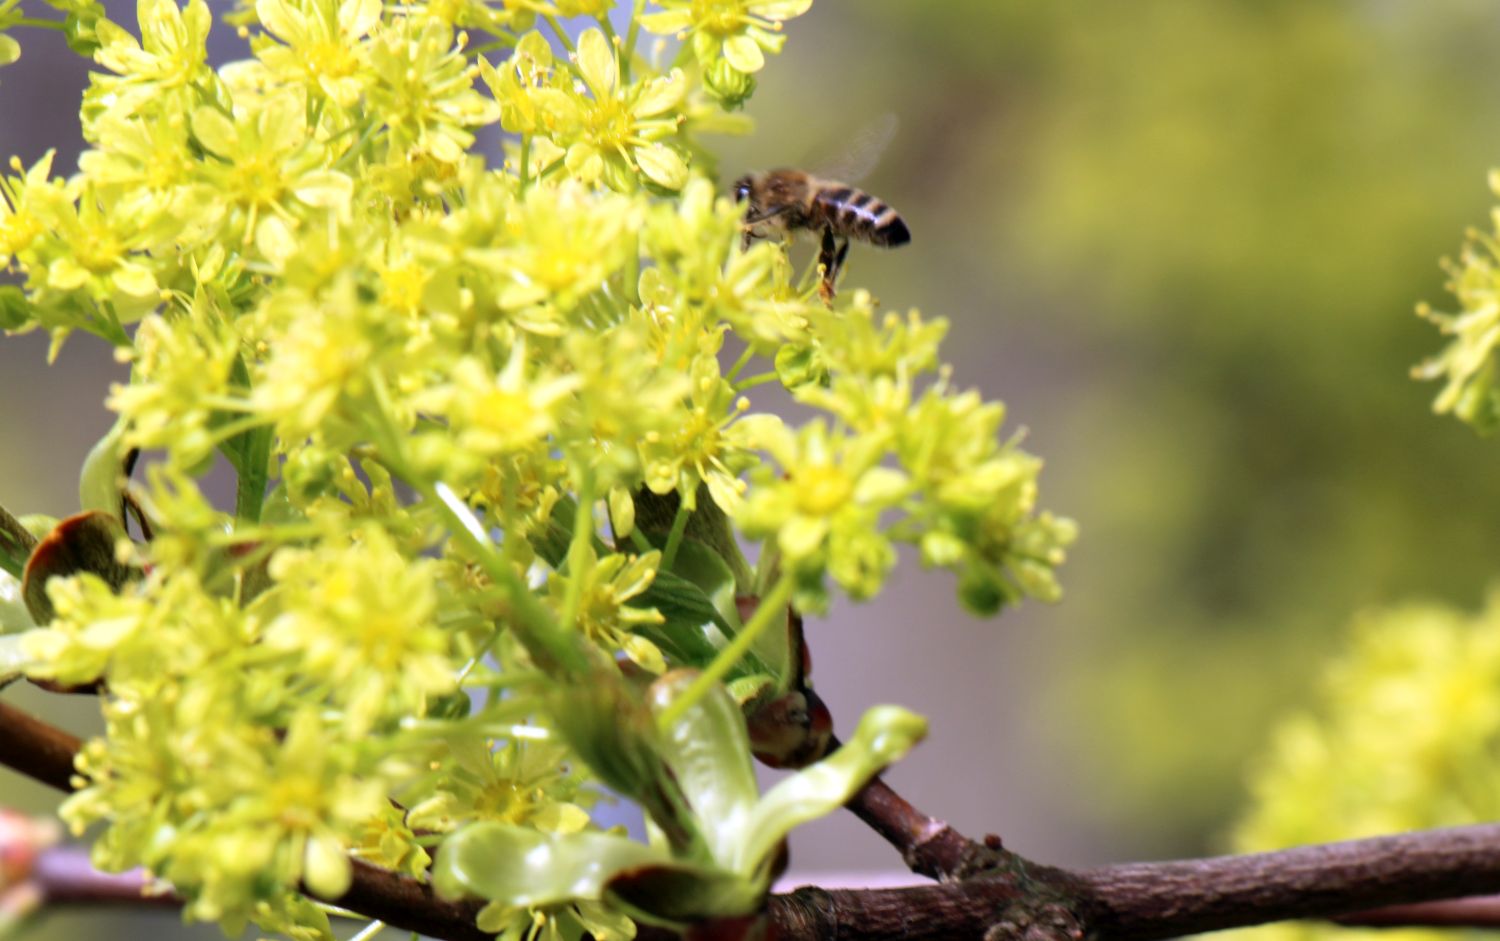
858, 155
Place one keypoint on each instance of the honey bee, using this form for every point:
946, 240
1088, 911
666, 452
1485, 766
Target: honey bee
784, 201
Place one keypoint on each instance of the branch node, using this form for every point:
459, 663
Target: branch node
1053, 921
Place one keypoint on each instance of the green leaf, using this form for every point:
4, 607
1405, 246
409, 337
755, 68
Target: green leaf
885, 734
708, 751
103, 475
750, 691
551, 540
707, 570
523, 867
693, 631
249, 453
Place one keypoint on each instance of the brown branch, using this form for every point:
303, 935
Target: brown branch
928, 846
34, 748
1019, 901
1142, 901
1480, 911
405, 903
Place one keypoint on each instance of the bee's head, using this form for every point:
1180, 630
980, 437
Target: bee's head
742, 188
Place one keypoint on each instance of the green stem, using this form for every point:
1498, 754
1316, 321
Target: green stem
353, 153
772, 605
754, 381
628, 52
674, 538
583, 534
609, 33
562, 34
525, 161
739, 364
504, 42
641, 543
58, 25
479, 655
633, 274
553, 648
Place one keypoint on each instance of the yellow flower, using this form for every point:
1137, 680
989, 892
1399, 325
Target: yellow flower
561, 244
730, 38
161, 67
27, 202
615, 133
513, 410
96, 247
322, 48
707, 445
423, 89
361, 619
270, 171
603, 612
621, 128
181, 376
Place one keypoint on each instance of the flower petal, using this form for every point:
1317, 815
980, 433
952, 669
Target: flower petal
661, 94
596, 60
744, 53
662, 165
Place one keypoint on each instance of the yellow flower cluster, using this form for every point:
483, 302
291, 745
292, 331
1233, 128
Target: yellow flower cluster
495, 449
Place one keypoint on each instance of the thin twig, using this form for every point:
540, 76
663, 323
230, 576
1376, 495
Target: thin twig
38, 750
1023, 901
928, 846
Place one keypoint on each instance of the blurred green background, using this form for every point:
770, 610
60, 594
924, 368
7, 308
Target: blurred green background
1183, 243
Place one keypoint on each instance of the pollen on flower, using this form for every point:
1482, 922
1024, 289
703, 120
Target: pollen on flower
821, 489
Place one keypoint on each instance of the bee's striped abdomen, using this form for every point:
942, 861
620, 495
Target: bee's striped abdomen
853, 213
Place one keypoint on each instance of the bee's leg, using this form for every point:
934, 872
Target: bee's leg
828, 261
838, 258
